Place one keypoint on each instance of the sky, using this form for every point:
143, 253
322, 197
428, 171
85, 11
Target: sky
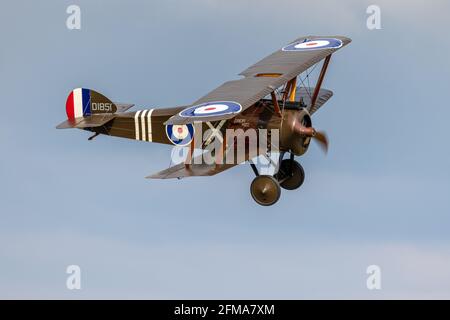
380, 196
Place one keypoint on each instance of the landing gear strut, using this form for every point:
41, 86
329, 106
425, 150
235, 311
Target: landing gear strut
266, 189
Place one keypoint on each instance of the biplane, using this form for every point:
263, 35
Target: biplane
271, 95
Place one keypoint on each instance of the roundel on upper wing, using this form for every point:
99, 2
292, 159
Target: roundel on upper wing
316, 44
180, 135
215, 108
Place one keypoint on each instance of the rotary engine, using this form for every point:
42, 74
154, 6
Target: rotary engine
296, 132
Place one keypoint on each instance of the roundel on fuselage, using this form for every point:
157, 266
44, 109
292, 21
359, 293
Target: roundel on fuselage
180, 135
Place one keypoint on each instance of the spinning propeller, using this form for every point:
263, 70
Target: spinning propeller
319, 136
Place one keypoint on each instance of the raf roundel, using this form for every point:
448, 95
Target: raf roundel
316, 44
180, 135
208, 109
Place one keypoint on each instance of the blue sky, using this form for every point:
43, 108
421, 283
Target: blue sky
379, 197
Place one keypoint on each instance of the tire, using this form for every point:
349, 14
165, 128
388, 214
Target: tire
291, 174
265, 190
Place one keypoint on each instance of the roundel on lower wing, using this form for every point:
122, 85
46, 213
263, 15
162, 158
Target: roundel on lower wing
180, 135
215, 108
316, 44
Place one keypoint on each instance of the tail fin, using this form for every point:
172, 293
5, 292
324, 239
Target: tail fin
85, 102
87, 108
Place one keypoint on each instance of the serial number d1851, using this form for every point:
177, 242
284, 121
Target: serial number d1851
101, 106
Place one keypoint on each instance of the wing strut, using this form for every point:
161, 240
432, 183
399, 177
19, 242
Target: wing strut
275, 103
320, 80
290, 89
293, 89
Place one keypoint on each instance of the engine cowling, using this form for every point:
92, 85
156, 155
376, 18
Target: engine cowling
296, 131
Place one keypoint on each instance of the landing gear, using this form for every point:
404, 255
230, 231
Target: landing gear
291, 174
265, 190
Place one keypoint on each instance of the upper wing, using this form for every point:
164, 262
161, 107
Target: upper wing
260, 79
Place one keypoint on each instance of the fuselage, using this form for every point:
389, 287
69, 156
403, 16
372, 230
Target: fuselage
149, 125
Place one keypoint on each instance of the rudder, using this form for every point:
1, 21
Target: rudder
83, 102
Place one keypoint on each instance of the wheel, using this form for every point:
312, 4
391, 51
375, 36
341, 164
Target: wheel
265, 190
291, 174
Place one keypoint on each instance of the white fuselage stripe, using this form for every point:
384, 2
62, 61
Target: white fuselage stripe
78, 102
144, 132
136, 123
149, 122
